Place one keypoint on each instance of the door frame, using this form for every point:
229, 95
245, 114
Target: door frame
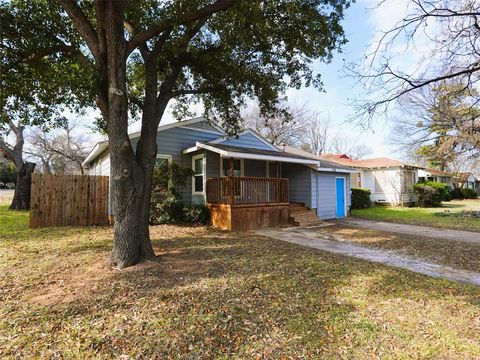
344, 196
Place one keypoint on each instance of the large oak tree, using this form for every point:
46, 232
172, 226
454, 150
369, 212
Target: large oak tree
221, 53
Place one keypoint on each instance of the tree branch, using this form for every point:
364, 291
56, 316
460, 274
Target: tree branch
83, 25
217, 6
6, 150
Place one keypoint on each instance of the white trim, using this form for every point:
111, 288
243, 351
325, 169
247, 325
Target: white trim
216, 132
251, 132
195, 157
242, 166
344, 196
165, 156
99, 148
241, 155
340, 170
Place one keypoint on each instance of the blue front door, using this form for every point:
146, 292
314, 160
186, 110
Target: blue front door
340, 189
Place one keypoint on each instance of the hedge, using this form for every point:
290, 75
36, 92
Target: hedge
469, 194
361, 198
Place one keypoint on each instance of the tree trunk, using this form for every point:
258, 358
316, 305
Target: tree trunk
131, 242
21, 197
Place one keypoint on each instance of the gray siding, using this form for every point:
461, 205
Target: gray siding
213, 165
300, 183
247, 141
172, 142
326, 200
255, 168
203, 125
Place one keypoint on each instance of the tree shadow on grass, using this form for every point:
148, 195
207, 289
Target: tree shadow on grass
228, 294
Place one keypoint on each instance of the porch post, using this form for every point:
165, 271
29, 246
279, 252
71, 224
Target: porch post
231, 185
277, 182
277, 169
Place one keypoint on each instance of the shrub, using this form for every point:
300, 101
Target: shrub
457, 194
443, 189
166, 206
469, 194
8, 173
361, 198
199, 214
427, 195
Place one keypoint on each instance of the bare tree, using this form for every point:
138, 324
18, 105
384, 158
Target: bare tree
439, 124
319, 131
447, 32
342, 144
290, 127
59, 151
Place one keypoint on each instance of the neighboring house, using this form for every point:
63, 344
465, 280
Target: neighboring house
466, 180
389, 181
440, 176
246, 181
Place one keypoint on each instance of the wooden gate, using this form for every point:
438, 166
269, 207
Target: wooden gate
68, 200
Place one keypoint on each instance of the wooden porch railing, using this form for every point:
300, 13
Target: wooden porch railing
247, 190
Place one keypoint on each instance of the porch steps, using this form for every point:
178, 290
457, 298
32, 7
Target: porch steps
300, 215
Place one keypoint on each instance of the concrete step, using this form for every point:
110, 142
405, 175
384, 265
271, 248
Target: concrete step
301, 211
309, 223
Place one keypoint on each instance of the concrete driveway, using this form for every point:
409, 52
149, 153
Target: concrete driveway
444, 234
306, 237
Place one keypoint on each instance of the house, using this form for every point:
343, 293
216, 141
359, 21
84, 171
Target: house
467, 180
389, 181
246, 181
440, 176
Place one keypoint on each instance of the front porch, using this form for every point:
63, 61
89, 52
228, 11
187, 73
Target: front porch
247, 203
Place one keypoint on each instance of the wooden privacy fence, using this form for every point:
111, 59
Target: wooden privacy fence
68, 200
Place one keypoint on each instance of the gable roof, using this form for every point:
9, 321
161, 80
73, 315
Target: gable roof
248, 131
380, 162
101, 146
323, 162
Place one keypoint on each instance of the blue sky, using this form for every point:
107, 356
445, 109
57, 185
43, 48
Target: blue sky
359, 25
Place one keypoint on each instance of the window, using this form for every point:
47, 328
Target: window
408, 181
162, 159
225, 167
359, 179
380, 181
198, 167
272, 169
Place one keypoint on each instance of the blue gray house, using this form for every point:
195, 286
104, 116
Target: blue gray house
246, 181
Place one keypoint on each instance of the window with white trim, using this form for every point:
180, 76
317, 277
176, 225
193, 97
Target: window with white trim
162, 159
198, 167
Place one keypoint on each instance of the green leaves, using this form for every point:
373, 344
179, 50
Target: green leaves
41, 72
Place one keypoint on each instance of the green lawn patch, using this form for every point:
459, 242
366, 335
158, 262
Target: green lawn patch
452, 215
213, 294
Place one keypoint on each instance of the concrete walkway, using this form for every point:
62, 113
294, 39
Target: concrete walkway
444, 234
301, 236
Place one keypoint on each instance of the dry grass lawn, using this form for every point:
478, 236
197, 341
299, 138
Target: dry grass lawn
213, 294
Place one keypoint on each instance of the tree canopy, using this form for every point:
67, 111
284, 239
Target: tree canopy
139, 55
